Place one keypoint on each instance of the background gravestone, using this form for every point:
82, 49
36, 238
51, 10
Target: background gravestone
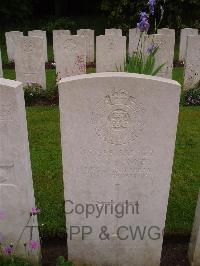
167, 31
117, 32
165, 53
89, 36
194, 247
118, 135
16, 185
11, 43
1, 70
70, 56
192, 62
30, 61
135, 41
183, 41
56, 35
110, 53
42, 34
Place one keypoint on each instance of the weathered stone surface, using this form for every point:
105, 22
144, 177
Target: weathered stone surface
194, 247
1, 70
118, 137
167, 31
70, 56
42, 34
16, 185
115, 32
192, 62
30, 61
136, 40
11, 43
165, 53
183, 41
89, 36
110, 53
56, 36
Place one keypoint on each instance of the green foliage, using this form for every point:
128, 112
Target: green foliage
57, 24
13, 261
191, 97
122, 13
62, 262
34, 94
138, 64
125, 13
15, 10
52, 94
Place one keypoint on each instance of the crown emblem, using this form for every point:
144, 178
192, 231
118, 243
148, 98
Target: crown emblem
118, 97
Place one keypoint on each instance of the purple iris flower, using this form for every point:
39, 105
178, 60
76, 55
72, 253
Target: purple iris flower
143, 15
34, 244
152, 6
35, 211
8, 250
151, 48
143, 25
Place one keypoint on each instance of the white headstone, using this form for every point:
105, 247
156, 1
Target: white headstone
194, 247
118, 135
30, 61
110, 53
136, 40
1, 70
42, 34
11, 43
192, 62
16, 185
167, 31
89, 36
117, 32
56, 36
183, 41
165, 53
70, 56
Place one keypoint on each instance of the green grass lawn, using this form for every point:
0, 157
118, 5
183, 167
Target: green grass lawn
44, 137
186, 172
51, 75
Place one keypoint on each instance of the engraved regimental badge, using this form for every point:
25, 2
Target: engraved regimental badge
118, 117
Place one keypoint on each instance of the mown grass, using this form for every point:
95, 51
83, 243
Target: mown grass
44, 137
186, 172
50, 75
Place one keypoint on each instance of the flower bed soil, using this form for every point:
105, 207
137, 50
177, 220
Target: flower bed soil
174, 251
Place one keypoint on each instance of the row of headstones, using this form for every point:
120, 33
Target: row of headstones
128, 120
71, 52
134, 35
